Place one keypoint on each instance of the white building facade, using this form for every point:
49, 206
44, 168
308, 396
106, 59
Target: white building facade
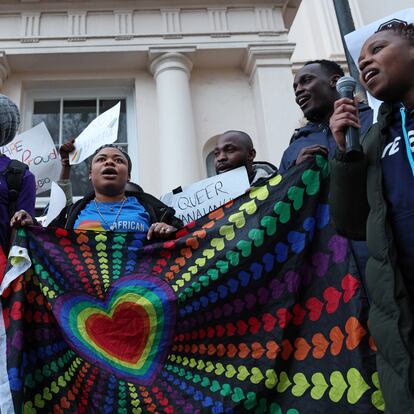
184, 71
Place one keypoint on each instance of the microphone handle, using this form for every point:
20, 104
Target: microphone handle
352, 140
352, 134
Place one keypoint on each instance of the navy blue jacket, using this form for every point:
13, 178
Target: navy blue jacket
319, 134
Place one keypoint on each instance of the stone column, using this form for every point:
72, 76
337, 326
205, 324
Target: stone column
4, 69
178, 147
270, 72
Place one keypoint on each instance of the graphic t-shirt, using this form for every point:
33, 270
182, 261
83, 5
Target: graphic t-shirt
131, 217
398, 182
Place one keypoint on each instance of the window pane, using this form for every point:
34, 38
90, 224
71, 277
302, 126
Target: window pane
105, 104
49, 113
79, 178
77, 115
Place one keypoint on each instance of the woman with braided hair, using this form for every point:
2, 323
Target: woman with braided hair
372, 197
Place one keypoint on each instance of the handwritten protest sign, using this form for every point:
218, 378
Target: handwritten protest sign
198, 199
35, 148
56, 204
102, 130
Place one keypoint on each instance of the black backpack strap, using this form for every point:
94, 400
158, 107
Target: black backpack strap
14, 174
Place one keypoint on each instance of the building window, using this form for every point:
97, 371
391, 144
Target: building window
66, 118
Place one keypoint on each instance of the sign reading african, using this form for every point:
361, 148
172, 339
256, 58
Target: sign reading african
255, 308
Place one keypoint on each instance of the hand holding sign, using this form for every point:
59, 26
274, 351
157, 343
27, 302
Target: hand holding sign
102, 130
198, 199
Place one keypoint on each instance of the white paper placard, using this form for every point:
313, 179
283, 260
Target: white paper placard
102, 130
202, 197
35, 147
56, 204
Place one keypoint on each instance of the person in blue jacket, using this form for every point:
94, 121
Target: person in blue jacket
315, 90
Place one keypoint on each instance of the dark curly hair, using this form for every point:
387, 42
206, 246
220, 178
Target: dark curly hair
400, 27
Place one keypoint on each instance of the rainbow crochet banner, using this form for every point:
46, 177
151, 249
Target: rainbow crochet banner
255, 308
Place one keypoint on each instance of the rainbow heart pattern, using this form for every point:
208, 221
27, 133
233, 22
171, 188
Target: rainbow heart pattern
129, 334
257, 307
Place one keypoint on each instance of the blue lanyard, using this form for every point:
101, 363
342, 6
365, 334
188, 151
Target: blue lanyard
406, 139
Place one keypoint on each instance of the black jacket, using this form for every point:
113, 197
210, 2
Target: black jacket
359, 210
318, 134
157, 210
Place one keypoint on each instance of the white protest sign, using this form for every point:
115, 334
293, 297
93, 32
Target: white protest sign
35, 148
355, 40
56, 204
102, 130
202, 197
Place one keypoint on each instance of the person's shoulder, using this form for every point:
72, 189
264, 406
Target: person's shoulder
4, 161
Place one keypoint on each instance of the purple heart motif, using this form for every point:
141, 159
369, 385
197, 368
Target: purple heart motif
17, 340
292, 280
297, 241
263, 296
339, 248
217, 312
188, 408
277, 288
309, 226
238, 305
208, 316
281, 251
250, 300
227, 309
320, 261
268, 261
322, 215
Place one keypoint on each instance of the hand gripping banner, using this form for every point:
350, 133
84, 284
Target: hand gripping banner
256, 308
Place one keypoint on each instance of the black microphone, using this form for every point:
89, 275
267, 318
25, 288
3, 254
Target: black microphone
346, 88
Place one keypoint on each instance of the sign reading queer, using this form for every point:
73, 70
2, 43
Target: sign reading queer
198, 199
35, 148
102, 130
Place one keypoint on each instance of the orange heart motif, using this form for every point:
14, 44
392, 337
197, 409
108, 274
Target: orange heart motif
355, 333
